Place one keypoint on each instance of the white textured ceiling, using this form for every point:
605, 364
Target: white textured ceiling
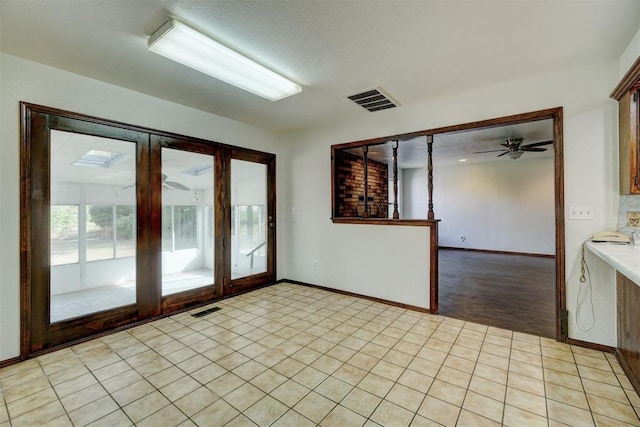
415, 50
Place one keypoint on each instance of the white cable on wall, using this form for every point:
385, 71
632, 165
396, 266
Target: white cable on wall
585, 286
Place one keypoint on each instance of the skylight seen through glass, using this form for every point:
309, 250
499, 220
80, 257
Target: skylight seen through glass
99, 158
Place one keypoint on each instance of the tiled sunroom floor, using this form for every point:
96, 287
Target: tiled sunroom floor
290, 355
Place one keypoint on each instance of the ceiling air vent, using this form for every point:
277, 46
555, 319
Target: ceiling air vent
373, 100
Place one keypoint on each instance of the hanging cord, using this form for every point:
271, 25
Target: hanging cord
585, 284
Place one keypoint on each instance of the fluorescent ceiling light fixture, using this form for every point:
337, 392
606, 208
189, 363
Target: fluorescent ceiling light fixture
462, 160
180, 43
99, 159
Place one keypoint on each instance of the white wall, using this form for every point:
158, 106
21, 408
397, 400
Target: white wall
502, 205
387, 262
630, 55
22, 80
590, 140
413, 198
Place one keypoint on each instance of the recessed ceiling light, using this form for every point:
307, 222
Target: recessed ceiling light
183, 44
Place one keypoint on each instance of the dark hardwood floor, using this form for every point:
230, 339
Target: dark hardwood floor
515, 292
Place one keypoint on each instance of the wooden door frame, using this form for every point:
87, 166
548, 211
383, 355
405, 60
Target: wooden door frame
178, 301
36, 121
555, 114
243, 283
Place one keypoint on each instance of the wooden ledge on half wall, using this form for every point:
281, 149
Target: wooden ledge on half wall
385, 221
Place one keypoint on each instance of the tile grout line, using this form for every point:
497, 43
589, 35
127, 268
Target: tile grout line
369, 371
314, 302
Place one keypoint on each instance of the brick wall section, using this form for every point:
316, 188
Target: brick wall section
350, 186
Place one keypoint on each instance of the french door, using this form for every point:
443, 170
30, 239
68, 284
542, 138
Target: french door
252, 223
121, 224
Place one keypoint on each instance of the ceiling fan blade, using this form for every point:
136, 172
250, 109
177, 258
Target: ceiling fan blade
490, 151
128, 186
537, 144
499, 155
176, 185
532, 149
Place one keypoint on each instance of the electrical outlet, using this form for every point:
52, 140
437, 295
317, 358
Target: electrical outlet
463, 238
580, 212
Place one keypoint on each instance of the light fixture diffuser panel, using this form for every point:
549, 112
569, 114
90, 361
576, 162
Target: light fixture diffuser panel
183, 44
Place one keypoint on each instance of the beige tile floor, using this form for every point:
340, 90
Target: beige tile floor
289, 355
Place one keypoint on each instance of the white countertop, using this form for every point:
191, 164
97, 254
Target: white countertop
624, 258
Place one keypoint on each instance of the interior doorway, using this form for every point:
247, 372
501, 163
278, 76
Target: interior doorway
499, 195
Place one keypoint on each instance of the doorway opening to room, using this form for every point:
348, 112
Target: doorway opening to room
121, 224
498, 191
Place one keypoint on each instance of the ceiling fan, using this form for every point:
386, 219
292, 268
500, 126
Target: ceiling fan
170, 185
514, 148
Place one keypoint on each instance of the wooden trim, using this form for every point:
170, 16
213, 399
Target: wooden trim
152, 235
135, 128
433, 268
356, 295
25, 232
489, 123
9, 362
187, 299
396, 212
430, 213
533, 116
272, 218
385, 221
629, 141
334, 182
591, 345
72, 329
223, 222
627, 370
634, 140
365, 165
558, 146
628, 81
491, 251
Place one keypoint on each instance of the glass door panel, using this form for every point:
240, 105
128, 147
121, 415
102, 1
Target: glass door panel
249, 220
187, 220
92, 225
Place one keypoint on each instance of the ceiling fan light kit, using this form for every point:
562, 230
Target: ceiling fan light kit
514, 148
183, 44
